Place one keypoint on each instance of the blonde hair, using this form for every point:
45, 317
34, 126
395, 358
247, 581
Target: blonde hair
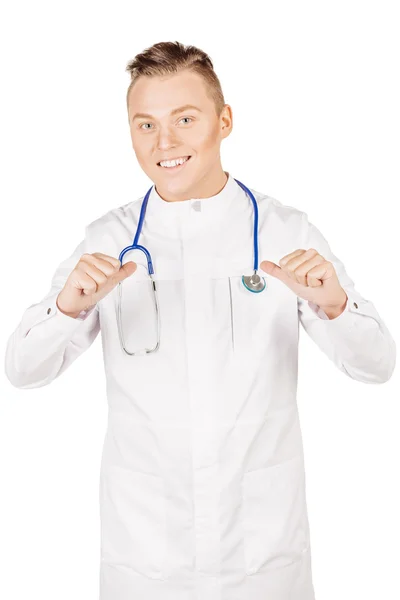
166, 58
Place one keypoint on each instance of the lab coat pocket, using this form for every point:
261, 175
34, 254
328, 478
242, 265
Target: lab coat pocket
275, 518
249, 315
133, 519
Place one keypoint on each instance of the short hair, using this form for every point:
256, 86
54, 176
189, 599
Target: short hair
166, 58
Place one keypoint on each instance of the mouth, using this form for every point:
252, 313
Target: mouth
177, 167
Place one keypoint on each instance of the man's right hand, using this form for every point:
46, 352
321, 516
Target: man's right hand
94, 276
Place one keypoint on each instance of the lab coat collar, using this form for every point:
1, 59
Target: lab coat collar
213, 206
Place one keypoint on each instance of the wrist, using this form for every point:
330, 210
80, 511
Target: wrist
335, 311
73, 315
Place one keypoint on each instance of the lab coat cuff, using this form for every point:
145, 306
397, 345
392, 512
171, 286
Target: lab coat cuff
50, 310
344, 321
355, 306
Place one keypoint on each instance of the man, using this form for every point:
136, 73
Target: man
202, 483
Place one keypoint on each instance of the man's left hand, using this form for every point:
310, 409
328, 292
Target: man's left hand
311, 277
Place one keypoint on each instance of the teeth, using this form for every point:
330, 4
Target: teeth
173, 163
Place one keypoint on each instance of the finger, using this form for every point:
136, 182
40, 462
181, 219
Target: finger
301, 272
120, 272
272, 269
291, 265
102, 264
82, 281
91, 276
316, 276
126, 270
114, 261
288, 257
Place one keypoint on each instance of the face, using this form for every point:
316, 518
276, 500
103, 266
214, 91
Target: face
162, 130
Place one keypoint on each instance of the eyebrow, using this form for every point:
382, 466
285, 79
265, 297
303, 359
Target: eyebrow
173, 112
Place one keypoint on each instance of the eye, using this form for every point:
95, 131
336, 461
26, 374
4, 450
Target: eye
141, 126
190, 119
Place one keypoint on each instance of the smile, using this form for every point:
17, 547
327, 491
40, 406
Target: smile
174, 165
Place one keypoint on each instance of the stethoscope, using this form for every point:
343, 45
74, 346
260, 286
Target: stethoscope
254, 283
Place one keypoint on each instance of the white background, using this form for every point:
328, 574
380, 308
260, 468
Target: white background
314, 90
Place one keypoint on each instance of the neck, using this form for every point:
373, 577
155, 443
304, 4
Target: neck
210, 185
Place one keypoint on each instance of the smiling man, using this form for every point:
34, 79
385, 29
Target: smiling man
166, 128
202, 487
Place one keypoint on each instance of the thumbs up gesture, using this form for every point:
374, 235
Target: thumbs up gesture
94, 276
310, 277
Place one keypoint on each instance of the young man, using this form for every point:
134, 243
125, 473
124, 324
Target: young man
202, 483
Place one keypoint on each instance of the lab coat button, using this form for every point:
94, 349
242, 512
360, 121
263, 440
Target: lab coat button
48, 311
196, 205
355, 304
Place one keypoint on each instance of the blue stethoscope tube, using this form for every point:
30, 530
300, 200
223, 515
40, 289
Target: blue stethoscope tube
254, 283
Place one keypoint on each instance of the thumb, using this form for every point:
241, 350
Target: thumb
126, 270
272, 269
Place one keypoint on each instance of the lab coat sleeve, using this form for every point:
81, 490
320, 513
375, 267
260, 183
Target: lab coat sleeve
47, 341
357, 341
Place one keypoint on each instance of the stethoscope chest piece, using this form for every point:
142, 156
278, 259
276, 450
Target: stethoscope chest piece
254, 283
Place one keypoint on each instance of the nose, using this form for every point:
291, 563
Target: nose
167, 138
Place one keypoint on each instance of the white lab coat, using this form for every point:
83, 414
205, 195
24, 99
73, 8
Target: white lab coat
202, 483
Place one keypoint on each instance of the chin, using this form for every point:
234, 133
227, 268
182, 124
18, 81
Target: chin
177, 184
